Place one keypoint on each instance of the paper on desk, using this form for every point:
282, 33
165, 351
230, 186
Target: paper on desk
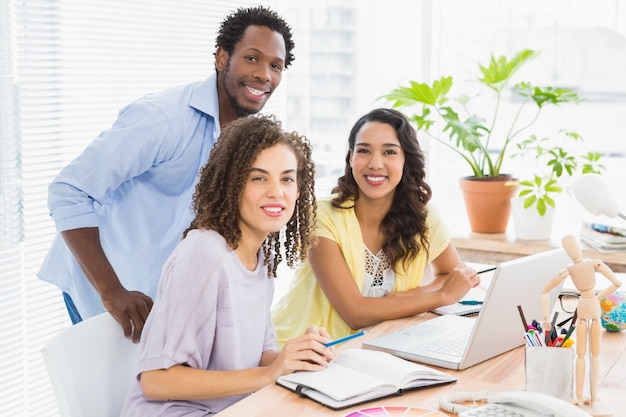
475, 294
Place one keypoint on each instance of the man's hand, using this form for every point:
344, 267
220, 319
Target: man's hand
130, 309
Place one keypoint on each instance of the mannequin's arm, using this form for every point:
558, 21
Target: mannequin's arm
608, 273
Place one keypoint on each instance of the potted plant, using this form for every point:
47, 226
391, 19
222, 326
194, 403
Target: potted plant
477, 139
555, 159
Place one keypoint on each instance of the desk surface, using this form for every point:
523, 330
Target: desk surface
502, 373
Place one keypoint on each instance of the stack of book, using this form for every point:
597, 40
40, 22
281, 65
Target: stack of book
604, 238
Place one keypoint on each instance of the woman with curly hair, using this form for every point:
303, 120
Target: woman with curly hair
209, 339
376, 235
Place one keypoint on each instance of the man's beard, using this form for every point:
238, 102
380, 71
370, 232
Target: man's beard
240, 110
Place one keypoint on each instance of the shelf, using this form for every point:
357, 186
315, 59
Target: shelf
498, 247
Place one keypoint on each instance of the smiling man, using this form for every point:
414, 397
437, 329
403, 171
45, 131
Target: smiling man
121, 206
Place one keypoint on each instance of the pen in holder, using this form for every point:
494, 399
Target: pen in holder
550, 370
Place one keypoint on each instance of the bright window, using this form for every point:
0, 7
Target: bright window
582, 46
68, 66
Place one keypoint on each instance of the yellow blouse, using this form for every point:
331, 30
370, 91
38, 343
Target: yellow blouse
305, 303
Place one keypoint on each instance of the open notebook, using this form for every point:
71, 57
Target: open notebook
356, 376
457, 342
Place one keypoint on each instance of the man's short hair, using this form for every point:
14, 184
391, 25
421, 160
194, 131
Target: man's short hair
234, 25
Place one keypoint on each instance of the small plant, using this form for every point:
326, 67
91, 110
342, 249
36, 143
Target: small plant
557, 163
470, 135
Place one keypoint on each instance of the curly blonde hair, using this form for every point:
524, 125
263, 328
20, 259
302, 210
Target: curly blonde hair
222, 180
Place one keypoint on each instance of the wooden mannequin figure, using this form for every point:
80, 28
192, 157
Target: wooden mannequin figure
588, 325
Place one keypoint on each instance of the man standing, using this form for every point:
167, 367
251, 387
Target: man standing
122, 205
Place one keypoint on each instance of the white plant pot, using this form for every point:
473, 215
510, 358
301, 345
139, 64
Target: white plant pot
529, 225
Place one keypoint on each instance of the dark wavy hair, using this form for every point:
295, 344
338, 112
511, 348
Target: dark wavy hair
407, 217
234, 25
216, 200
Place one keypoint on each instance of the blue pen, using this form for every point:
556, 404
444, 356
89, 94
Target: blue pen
470, 302
344, 339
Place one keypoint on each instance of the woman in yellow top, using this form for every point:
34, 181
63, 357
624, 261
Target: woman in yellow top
376, 235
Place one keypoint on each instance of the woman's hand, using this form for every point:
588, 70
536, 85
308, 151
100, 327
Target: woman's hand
304, 353
458, 282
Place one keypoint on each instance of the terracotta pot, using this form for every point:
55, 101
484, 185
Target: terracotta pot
488, 202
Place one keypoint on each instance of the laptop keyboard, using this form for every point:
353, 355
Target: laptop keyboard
454, 346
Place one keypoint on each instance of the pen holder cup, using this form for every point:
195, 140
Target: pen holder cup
550, 370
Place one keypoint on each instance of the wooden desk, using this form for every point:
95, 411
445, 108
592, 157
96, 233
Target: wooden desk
502, 373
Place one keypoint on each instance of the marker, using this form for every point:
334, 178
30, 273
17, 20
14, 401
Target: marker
567, 338
558, 341
551, 336
344, 339
470, 302
521, 315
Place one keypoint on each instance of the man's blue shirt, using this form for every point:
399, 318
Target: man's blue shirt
134, 182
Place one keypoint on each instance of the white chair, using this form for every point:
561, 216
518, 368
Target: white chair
90, 366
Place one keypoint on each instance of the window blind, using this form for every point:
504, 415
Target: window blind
66, 68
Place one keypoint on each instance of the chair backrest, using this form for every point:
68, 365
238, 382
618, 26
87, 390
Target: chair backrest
90, 366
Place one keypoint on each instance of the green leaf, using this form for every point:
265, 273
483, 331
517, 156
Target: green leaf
501, 69
470, 137
552, 188
420, 93
572, 135
466, 134
524, 192
541, 207
547, 95
529, 201
591, 163
560, 161
422, 121
441, 88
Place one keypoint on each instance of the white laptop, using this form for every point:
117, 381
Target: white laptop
498, 327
